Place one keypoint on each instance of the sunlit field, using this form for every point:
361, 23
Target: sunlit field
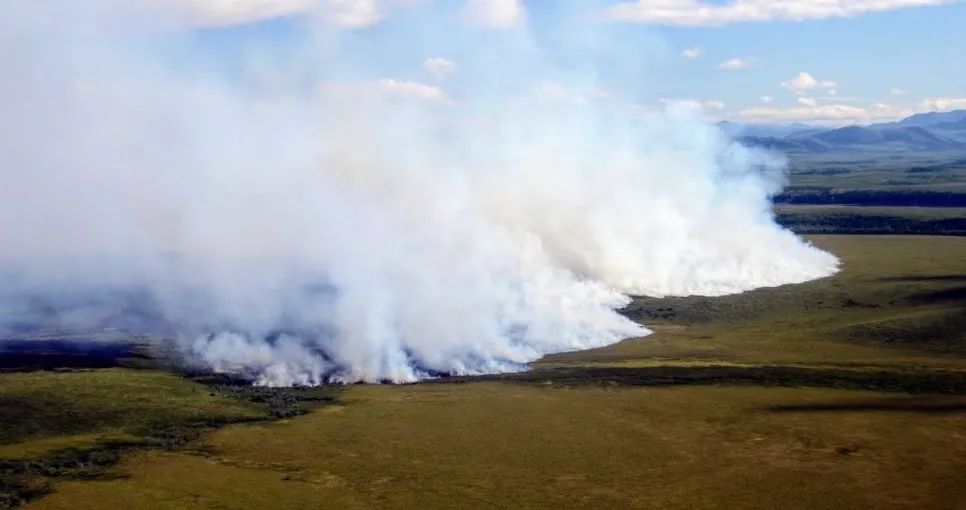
509, 445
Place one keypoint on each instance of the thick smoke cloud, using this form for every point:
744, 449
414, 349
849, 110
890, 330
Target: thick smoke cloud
306, 215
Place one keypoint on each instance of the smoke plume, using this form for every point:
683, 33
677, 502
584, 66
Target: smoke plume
333, 206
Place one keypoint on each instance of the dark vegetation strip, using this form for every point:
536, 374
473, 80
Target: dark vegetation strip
877, 197
932, 404
804, 223
918, 381
26, 355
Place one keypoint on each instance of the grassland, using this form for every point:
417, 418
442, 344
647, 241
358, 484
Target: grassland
51, 403
777, 398
505, 445
78, 424
915, 287
865, 170
922, 178
875, 193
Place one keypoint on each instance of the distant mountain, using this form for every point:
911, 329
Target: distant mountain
930, 118
951, 125
955, 129
926, 120
912, 137
736, 129
806, 132
923, 131
784, 144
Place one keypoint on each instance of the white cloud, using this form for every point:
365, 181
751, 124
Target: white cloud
401, 89
686, 104
575, 96
499, 14
692, 53
703, 13
689, 104
228, 12
439, 68
807, 101
219, 13
833, 114
766, 99
897, 92
944, 103
386, 89
803, 83
735, 64
351, 13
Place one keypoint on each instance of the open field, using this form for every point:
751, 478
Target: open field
844, 392
77, 424
921, 178
871, 169
503, 445
921, 192
899, 301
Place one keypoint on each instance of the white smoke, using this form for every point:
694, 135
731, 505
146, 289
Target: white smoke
309, 218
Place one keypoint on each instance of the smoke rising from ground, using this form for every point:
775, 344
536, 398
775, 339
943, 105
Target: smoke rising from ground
321, 213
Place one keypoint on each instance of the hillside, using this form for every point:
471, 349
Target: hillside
933, 131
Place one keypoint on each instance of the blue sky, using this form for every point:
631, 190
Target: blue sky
919, 51
747, 60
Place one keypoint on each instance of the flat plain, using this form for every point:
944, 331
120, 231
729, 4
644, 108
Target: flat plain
843, 392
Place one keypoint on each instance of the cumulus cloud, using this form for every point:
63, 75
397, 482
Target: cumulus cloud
692, 53
351, 13
809, 111
220, 13
944, 103
383, 90
411, 89
803, 83
704, 13
766, 99
498, 14
694, 106
735, 64
231, 12
439, 68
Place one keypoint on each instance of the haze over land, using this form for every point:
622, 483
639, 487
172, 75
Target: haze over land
314, 216
567, 226
930, 131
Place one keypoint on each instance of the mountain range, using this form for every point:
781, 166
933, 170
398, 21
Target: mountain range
922, 131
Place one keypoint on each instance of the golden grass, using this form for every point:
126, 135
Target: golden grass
502, 445
45, 411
